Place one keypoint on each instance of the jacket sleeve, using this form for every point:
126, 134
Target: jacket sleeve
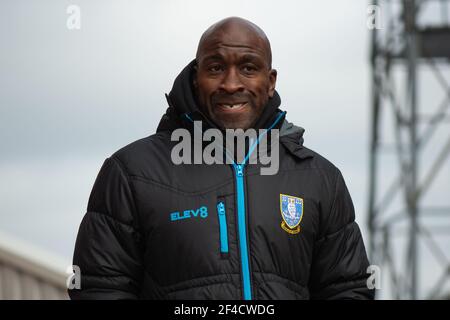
107, 250
339, 267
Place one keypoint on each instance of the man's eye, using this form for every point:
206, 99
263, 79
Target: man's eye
249, 69
215, 68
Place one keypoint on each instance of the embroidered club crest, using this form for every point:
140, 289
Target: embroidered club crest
292, 213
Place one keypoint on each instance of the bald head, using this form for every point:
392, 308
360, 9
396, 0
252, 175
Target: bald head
233, 76
235, 31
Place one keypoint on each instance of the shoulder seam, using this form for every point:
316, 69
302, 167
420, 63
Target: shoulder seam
111, 217
126, 176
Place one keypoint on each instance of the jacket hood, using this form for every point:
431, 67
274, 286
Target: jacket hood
291, 136
289, 129
181, 97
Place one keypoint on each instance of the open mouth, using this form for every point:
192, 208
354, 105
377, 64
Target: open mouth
229, 107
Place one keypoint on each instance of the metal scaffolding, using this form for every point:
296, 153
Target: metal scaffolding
412, 39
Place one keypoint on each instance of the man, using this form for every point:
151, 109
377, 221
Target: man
158, 230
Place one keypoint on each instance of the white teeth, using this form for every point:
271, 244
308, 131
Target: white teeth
231, 106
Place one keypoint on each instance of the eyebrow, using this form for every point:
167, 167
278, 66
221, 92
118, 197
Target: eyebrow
215, 56
247, 57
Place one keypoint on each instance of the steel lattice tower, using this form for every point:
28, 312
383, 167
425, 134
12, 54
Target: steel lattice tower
412, 39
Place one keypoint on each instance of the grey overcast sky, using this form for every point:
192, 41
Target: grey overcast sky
70, 98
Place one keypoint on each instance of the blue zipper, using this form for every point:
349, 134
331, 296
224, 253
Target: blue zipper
242, 230
222, 227
241, 212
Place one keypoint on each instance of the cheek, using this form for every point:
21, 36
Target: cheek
262, 94
259, 86
205, 88
202, 94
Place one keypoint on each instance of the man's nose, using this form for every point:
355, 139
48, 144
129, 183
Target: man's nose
231, 81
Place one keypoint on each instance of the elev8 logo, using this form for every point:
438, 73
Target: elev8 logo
186, 214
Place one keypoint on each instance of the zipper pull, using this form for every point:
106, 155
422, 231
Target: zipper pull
221, 208
239, 170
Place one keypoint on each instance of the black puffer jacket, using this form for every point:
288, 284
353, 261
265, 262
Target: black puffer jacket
155, 230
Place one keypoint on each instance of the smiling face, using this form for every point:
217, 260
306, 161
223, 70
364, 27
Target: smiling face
234, 79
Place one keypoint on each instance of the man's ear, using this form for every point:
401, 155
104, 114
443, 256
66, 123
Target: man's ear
272, 82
